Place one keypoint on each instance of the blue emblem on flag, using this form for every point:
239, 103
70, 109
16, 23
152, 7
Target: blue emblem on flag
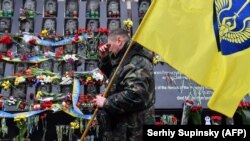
232, 25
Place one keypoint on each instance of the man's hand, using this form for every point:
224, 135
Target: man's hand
99, 101
103, 50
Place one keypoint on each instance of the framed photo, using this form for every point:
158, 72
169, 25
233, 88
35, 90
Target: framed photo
5, 25
49, 24
27, 25
93, 24
2, 68
113, 8
3, 48
29, 5
91, 89
19, 92
90, 65
44, 88
7, 8
50, 8
67, 67
71, 8
70, 49
46, 65
143, 7
71, 26
113, 24
20, 67
66, 89
93, 9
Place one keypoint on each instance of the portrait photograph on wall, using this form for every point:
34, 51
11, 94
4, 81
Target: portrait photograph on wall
70, 26
92, 24
93, 9
113, 8
143, 7
5, 25
49, 24
7, 7
29, 5
27, 25
113, 24
50, 8
71, 8
2, 68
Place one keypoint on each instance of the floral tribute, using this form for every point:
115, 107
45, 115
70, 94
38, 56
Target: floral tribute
43, 48
244, 111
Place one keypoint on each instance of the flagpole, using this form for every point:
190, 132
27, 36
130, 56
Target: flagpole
106, 92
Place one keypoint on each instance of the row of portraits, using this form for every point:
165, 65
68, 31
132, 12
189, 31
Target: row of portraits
71, 25
72, 7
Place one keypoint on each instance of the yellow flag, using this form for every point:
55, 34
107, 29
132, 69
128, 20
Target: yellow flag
184, 34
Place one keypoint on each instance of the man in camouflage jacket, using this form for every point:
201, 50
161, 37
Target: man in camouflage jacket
130, 102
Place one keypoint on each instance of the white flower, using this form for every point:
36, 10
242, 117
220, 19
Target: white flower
98, 76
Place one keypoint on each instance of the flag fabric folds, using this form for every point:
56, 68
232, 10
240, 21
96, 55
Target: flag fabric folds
182, 33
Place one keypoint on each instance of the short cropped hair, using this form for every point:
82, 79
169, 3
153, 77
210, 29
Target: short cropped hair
119, 32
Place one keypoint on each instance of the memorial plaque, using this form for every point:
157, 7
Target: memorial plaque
113, 8
27, 25
5, 25
50, 8
172, 88
71, 26
71, 8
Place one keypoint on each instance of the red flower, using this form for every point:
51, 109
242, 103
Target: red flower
1, 56
159, 123
9, 54
196, 108
46, 104
32, 42
1, 104
6, 39
216, 117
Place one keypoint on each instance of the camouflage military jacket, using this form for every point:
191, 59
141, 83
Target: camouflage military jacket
129, 103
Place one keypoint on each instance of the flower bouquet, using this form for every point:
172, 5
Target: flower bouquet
195, 115
244, 111
187, 105
216, 120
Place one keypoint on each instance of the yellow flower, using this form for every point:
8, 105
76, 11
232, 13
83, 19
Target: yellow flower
156, 60
6, 85
74, 125
45, 32
89, 78
128, 23
20, 118
39, 94
19, 80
